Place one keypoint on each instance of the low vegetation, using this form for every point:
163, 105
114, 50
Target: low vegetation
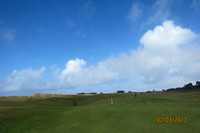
57, 113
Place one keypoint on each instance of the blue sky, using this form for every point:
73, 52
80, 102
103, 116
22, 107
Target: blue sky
73, 46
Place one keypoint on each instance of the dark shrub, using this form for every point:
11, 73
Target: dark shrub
120, 91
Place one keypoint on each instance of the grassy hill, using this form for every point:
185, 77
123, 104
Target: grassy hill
95, 114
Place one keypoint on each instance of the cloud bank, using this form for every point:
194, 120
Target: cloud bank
24, 79
168, 56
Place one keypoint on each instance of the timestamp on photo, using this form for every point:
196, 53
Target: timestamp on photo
171, 119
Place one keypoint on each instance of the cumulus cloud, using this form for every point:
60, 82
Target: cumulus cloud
167, 35
24, 79
168, 53
76, 73
167, 57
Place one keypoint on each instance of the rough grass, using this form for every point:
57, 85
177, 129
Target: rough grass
95, 113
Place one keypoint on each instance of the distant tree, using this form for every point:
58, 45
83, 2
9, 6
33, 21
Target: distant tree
170, 89
129, 91
82, 93
93, 93
185, 86
153, 90
101, 93
163, 90
120, 91
188, 86
197, 83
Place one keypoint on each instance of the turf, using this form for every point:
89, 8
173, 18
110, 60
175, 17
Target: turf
95, 114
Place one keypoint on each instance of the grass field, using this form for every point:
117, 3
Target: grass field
95, 114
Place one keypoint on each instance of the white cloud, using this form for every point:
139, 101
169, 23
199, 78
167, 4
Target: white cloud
168, 57
168, 53
55, 70
76, 73
24, 79
167, 35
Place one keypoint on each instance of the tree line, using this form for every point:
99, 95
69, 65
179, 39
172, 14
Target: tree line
188, 86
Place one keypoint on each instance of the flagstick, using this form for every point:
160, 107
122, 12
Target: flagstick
111, 100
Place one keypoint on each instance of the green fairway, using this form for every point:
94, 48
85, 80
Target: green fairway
95, 114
